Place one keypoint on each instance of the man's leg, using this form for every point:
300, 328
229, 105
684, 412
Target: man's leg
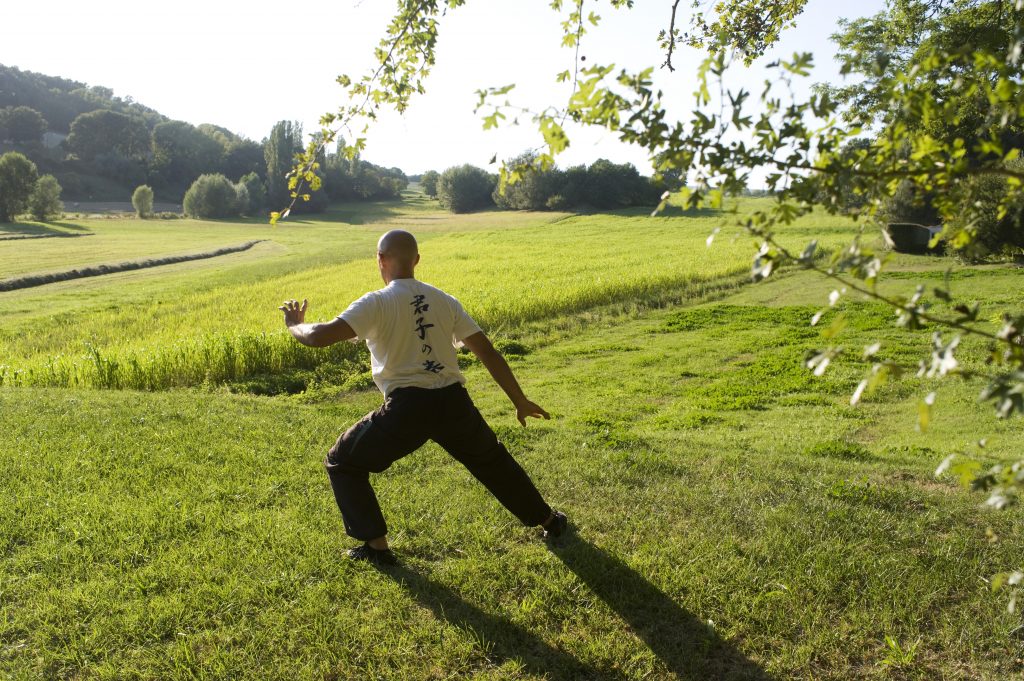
370, 446
466, 436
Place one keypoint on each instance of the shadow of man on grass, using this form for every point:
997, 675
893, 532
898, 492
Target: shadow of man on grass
503, 640
684, 644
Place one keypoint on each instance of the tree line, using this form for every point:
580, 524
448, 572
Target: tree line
602, 185
181, 162
99, 147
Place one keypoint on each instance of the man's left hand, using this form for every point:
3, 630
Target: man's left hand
530, 409
293, 312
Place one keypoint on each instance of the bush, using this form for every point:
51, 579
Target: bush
21, 124
993, 234
257, 193
464, 188
242, 199
211, 196
533, 188
910, 205
557, 202
17, 180
142, 201
429, 183
44, 203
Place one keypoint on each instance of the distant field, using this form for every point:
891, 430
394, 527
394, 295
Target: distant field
735, 517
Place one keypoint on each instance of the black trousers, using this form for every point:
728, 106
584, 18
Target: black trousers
407, 419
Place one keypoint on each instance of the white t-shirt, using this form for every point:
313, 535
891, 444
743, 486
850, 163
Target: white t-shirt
411, 329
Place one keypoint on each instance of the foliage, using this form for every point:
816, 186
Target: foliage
429, 183
532, 189
465, 188
353, 179
748, 26
104, 132
243, 204
211, 196
44, 202
142, 201
992, 214
279, 151
60, 100
603, 185
257, 194
21, 124
181, 152
18, 177
238, 155
911, 204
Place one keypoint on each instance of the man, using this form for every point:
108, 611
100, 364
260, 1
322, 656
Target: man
411, 329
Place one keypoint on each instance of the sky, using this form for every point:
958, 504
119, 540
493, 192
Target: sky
247, 65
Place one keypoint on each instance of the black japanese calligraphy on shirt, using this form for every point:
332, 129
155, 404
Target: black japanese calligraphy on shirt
420, 306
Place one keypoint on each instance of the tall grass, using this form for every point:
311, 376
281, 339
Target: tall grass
207, 359
505, 277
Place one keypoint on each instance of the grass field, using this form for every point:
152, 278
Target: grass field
735, 517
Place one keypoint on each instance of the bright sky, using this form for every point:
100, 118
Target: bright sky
247, 65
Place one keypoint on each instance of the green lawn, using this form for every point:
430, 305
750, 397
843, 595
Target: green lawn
735, 517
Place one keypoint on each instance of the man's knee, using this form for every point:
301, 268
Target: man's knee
343, 455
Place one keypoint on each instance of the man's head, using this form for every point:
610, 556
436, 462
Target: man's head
397, 255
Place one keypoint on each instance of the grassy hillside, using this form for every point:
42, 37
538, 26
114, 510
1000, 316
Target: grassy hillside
735, 517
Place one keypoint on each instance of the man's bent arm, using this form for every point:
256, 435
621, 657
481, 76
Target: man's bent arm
480, 345
324, 334
314, 335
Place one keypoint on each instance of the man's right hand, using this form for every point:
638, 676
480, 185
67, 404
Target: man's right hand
293, 312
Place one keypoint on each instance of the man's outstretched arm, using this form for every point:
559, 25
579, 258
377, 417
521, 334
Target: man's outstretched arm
314, 335
480, 345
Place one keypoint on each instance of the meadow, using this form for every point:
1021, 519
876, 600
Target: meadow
735, 517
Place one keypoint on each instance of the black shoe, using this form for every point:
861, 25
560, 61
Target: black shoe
372, 555
557, 526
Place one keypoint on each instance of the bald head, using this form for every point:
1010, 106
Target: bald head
400, 245
397, 254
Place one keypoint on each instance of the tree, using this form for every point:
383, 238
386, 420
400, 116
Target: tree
142, 201
108, 132
44, 202
429, 183
243, 156
20, 124
181, 153
18, 177
279, 151
242, 201
211, 196
465, 188
532, 189
257, 193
